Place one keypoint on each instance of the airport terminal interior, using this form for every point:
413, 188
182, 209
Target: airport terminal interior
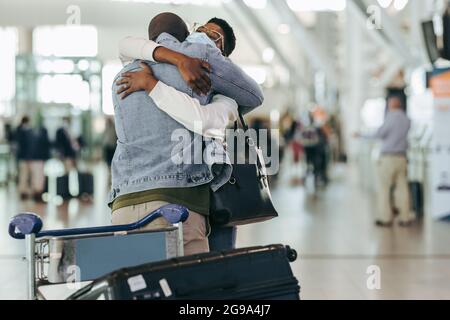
366, 209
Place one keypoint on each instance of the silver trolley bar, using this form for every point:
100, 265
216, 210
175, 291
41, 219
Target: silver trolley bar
28, 226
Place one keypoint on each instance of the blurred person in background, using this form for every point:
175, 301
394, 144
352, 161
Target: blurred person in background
291, 150
9, 133
288, 128
109, 141
309, 138
39, 153
323, 153
314, 137
23, 138
334, 140
392, 164
66, 145
109, 144
298, 153
3, 132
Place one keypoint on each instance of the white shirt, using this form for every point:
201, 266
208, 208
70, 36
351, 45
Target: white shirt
209, 120
132, 48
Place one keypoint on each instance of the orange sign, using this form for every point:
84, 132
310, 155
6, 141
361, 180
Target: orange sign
440, 85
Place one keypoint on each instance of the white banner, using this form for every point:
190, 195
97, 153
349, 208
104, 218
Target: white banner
440, 156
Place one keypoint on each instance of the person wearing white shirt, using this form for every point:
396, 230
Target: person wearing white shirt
209, 120
183, 108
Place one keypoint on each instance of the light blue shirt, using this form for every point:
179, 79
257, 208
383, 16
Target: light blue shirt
393, 133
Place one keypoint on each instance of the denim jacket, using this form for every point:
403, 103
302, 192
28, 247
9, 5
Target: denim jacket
149, 140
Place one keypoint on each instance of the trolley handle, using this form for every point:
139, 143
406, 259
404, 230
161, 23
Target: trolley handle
23, 224
30, 223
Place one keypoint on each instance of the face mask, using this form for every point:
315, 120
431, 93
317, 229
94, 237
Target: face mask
200, 37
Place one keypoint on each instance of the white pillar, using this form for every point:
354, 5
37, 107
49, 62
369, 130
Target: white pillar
355, 77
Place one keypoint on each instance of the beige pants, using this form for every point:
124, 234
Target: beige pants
31, 177
194, 229
393, 173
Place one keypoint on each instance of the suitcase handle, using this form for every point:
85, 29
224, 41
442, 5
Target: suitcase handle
291, 254
28, 223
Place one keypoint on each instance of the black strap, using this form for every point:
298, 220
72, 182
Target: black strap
242, 120
244, 124
245, 127
247, 140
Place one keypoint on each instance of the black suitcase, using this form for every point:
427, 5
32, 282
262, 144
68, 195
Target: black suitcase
86, 183
417, 198
258, 273
62, 186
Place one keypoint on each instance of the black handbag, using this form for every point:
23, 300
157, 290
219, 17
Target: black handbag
245, 198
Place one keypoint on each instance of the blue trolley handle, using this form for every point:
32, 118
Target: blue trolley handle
30, 223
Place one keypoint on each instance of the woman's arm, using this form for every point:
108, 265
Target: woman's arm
192, 70
210, 120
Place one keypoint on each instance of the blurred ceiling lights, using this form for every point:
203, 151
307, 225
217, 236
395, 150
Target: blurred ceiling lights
400, 4
212, 3
397, 4
296, 5
304, 5
256, 4
258, 73
385, 3
268, 55
284, 28
317, 5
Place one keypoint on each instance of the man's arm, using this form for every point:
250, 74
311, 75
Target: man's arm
192, 70
226, 77
230, 80
209, 120
382, 132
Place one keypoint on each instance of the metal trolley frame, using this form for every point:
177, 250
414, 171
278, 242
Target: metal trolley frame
28, 226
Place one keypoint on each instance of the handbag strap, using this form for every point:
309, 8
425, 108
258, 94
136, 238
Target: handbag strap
244, 124
245, 127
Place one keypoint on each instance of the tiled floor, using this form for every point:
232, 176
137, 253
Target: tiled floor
333, 233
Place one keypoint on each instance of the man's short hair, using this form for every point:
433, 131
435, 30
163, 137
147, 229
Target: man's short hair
168, 22
230, 38
25, 119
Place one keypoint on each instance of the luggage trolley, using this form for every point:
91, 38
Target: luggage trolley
78, 256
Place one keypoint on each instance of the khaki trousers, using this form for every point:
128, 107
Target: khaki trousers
31, 177
393, 173
194, 229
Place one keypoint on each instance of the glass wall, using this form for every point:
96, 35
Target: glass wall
9, 41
